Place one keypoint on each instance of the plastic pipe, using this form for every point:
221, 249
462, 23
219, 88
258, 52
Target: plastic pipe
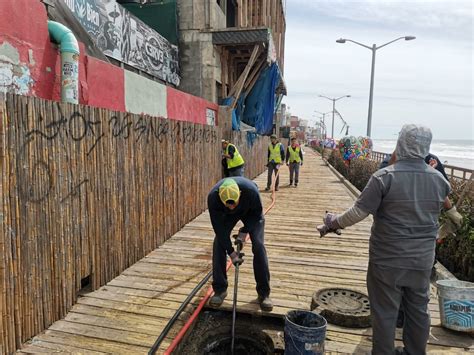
69, 49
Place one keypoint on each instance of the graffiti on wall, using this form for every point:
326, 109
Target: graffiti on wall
210, 117
122, 36
15, 77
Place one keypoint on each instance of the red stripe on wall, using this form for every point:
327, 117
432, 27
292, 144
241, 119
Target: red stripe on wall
186, 107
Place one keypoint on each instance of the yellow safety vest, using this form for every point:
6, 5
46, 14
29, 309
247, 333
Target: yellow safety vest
275, 154
294, 154
237, 160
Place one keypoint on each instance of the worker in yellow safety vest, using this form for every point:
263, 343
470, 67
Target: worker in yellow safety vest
294, 158
276, 156
233, 159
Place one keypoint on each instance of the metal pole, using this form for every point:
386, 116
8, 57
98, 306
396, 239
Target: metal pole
371, 94
324, 126
333, 109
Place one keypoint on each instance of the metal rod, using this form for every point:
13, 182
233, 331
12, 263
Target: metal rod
234, 306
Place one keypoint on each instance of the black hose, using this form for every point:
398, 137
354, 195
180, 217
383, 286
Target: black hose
171, 322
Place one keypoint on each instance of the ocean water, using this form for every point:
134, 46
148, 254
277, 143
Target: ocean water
453, 152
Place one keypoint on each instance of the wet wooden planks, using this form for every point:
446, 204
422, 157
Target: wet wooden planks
127, 314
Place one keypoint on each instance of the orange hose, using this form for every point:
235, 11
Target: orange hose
210, 291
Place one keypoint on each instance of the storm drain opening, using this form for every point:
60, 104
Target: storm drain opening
247, 341
257, 335
343, 307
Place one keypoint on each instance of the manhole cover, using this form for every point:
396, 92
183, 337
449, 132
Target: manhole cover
343, 307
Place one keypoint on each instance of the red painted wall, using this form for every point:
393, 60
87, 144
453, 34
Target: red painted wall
185, 107
105, 85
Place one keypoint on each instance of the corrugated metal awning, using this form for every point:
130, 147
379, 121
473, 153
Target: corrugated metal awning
237, 36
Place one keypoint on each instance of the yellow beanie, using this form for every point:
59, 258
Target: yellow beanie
229, 190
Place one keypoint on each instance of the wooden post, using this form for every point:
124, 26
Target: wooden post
245, 73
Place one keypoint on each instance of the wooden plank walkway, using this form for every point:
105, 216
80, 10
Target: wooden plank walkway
126, 315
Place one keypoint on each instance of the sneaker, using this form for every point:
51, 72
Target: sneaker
296, 184
267, 189
291, 183
217, 299
276, 188
266, 303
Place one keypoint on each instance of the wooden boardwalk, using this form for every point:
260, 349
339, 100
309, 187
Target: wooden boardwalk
127, 314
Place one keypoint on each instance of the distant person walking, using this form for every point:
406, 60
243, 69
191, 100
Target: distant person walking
233, 159
294, 158
276, 156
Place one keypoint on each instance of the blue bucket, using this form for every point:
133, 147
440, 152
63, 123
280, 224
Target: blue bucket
305, 333
456, 304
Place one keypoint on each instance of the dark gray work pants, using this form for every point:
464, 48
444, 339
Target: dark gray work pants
294, 171
260, 260
388, 289
237, 171
272, 167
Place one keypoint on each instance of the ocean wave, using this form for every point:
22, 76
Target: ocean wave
458, 153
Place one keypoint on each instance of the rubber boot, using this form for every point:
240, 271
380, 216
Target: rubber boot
217, 299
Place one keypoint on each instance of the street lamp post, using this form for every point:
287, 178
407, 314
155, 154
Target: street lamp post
372, 71
323, 118
333, 109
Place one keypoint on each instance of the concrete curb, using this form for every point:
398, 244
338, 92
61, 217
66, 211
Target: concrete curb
441, 272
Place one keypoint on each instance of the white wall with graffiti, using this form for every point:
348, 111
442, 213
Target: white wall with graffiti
124, 37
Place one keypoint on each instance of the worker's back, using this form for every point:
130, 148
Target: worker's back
406, 221
405, 200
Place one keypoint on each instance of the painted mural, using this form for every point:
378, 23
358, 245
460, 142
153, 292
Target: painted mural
122, 36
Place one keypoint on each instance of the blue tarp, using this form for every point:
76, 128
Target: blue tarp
260, 102
258, 107
236, 112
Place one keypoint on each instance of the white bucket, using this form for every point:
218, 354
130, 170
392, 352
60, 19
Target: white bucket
456, 304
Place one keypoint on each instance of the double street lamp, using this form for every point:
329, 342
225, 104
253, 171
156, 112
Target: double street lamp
373, 49
333, 109
323, 119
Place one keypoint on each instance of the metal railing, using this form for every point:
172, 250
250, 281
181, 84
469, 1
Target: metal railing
451, 170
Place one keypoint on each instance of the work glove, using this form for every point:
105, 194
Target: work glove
454, 216
330, 225
240, 238
237, 258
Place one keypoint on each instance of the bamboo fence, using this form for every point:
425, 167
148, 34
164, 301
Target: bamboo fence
85, 193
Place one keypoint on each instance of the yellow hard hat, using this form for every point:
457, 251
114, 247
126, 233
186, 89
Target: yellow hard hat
229, 191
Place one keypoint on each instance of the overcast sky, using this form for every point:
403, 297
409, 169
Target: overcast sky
428, 80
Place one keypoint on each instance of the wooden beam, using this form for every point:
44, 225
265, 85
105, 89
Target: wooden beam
245, 13
239, 13
245, 74
224, 73
253, 76
263, 20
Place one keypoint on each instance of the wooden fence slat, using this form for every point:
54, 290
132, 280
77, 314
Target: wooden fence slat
87, 192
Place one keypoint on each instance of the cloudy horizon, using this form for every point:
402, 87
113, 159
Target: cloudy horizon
428, 80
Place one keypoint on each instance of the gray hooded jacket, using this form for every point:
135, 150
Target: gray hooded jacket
405, 200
